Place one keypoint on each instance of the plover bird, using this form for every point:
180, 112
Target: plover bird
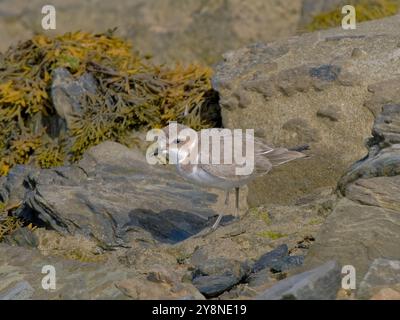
195, 163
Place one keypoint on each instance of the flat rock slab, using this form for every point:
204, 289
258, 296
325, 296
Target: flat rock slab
112, 195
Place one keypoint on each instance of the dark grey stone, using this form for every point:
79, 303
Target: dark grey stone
213, 286
270, 258
113, 195
287, 263
325, 72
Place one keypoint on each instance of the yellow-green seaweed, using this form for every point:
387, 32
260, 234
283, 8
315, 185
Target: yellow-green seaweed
132, 94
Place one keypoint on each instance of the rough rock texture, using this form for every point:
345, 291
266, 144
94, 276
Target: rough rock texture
219, 265
111, 199
311, 89
21, 278
321, 283
112, 194
365, 224
383, 274
168, 29
66, 93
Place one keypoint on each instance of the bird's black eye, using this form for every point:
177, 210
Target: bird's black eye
177, 141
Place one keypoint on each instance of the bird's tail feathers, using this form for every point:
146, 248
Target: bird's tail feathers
281, 155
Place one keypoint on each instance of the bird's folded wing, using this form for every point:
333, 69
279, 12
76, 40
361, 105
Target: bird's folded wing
228, 171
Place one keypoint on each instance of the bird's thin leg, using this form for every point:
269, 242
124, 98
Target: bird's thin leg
226, 197
237, 203
216, 223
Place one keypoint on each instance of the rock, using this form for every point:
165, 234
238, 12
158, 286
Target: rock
212, 277
301, 129
21, 291
344, 238
22, 237
386, 127
277, 260
87, 199
326, 72
286, 104
321, 283
212, 286
260, 278
383, 156
12, 190
270, 258
153, 276
195, 31
330, 112
383, 92
21, 277
365, 223
386, 294
381, 281
221, 266
358, 53
287, 263
67, 94
140, 288
384, 162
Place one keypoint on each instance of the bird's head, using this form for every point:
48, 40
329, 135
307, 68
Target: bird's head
176, 143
